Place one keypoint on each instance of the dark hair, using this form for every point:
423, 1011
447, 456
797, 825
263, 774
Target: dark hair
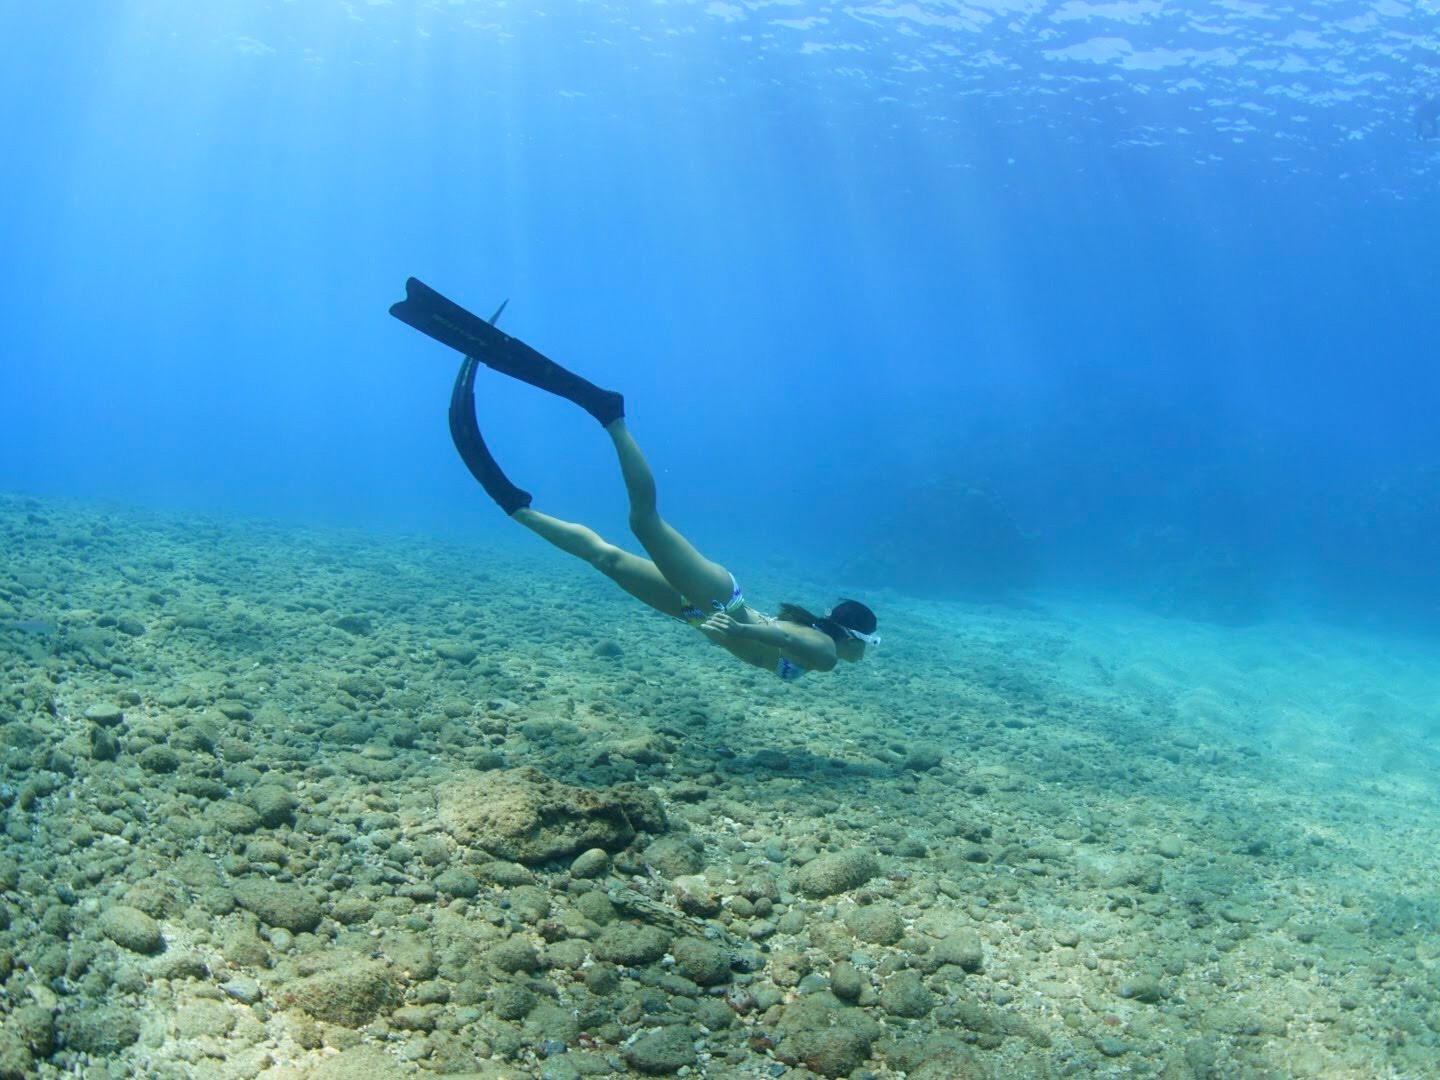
846, 615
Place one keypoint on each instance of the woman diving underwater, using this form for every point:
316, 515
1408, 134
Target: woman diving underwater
676, 580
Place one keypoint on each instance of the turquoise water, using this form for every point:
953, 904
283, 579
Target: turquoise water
1087, 343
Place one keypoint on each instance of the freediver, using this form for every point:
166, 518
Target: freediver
676, 579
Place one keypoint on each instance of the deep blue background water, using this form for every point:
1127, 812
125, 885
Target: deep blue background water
956, 306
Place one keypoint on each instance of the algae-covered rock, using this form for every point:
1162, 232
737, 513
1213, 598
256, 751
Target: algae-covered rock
846, 982
1143, 987
632, 945
352, 910
101, 1030
835, 872
702, 962
905, 995
590, 863
275, 805
362, 687
877, 924
513, 955
662, 1052
457, 882
350, 995
459, 651
824, 1036
159, 759
358, 625
28, 1030
16, 1060
673, 857
924, 757
962, 947
131, 929
696, 896
276, 904
104, 714
198, 1019
524, 815
233, 817
370, 1063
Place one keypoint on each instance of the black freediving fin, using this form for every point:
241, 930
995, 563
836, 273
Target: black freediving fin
447, 322
471, 444
450, 324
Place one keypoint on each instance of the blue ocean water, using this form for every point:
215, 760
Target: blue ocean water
1091, 342
960, 298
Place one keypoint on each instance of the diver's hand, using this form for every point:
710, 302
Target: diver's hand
721, 627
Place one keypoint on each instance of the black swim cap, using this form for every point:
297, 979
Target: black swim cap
854, 615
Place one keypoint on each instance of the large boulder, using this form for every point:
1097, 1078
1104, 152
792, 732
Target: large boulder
524, 815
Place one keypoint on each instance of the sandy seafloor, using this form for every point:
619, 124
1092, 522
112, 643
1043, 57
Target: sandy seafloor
267, 813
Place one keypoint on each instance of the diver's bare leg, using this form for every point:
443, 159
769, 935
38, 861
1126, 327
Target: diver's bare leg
635, 575
691, 574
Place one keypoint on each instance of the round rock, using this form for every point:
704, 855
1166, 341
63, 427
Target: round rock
159, 759
702, 962
590, 864
104, 715
275, 904
132, 929
274, 804
672, 857
836, 872
878, 924
906, 995
457, 882
633, 946
961, 947
662, 1052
